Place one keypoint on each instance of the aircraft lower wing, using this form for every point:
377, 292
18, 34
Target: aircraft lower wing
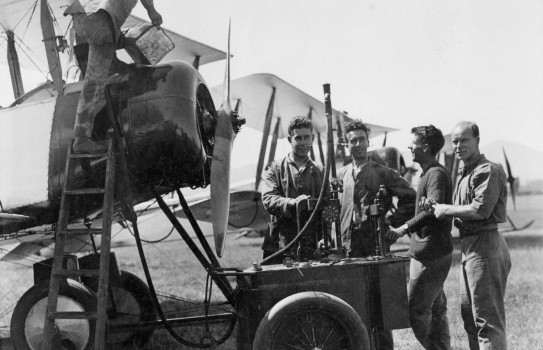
39, 240
246, 214
246, 211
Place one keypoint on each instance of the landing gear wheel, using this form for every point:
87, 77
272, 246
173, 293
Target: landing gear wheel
133, 303
311, 321
29, 315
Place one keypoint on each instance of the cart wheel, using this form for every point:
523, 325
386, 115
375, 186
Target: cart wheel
29, 315
133, 303
311, 320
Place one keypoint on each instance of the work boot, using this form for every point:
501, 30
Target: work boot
85, 145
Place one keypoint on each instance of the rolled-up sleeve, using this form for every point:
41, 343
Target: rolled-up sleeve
486, 184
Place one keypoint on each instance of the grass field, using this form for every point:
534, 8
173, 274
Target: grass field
176, 271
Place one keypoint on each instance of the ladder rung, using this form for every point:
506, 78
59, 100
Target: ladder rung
77, 273
72, 315
88, 155
82, 231
85, 191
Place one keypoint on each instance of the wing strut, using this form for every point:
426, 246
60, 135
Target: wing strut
264, 144
14, 67
49, 40
196, 62
340, 145
454, 172
275, 136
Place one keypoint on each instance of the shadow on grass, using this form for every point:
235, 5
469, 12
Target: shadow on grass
193, 333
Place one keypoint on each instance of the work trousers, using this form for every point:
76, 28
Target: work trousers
97, 28
485, 266
428, 303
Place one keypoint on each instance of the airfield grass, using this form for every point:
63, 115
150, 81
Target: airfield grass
176, 271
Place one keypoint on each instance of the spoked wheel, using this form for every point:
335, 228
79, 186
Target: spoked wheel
131, 303
29, 315
311, 321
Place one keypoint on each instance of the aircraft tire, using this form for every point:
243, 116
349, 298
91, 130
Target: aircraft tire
29, 313
134, 304
311, 320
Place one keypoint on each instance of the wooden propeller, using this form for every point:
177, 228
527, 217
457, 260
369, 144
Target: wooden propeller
220, 165
510, 179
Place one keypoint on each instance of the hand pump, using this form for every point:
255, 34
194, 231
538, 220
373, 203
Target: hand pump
336, 185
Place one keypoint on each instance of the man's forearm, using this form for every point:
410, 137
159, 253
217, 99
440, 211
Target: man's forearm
457, 211
155, 17
148, 4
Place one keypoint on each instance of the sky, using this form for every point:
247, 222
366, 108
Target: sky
390, 62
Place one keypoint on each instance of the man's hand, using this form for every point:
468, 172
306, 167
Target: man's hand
440, 211
393, 234
155, 17
294, 201
427, 204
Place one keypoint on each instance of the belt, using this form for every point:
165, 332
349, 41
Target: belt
464, 234
471, 228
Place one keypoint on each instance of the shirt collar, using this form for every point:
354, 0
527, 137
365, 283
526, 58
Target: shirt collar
469, 168
306, 163
358, 169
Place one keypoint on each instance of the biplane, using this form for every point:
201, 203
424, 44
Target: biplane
170, 131
169, 135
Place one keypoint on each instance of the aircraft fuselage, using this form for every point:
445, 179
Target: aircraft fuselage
168, 136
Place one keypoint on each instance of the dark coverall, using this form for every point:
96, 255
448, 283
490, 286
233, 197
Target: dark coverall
282, 181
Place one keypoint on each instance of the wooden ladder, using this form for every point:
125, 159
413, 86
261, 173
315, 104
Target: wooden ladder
58, 273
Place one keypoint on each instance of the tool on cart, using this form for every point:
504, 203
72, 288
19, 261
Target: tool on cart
378, 225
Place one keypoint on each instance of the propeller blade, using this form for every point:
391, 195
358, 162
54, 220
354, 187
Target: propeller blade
510, 179
220, 165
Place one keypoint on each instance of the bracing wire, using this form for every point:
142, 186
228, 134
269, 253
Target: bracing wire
29, 19
55, 22
31, 60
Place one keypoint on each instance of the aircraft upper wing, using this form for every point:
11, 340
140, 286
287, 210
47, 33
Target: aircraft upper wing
185, 49
22, 17
254, 93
